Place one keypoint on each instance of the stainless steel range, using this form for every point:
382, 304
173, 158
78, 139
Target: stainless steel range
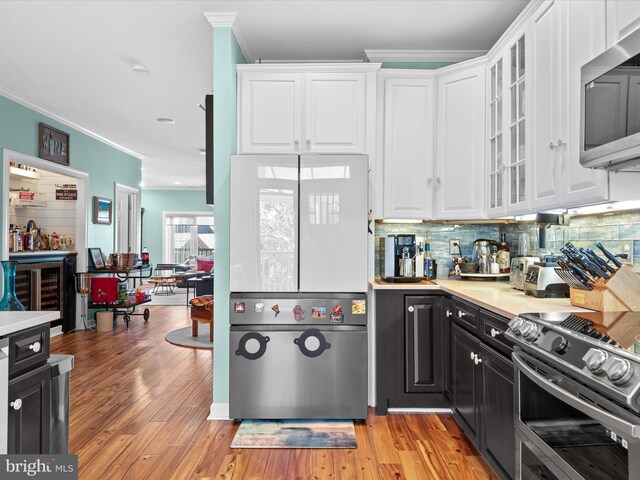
577, 395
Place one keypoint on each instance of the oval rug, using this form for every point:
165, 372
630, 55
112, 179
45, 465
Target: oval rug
183, 337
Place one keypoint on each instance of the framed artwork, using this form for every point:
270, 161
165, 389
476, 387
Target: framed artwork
102, 210
53, 144
95, 255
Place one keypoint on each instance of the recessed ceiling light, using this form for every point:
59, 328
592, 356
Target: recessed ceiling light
203, 151
165, 120
140, 69
176, 183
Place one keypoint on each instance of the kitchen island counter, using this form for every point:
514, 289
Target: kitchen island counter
497, 297
12, 322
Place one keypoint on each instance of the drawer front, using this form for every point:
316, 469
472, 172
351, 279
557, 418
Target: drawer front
466, 314
494, 327
28, 349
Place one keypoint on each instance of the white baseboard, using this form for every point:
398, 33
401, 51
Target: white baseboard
419, 410
219, 411
56, 331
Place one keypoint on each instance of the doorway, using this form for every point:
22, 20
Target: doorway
126, 219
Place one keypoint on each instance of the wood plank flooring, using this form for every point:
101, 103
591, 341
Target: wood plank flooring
139, 407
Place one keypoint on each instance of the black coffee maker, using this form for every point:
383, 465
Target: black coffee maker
395, 246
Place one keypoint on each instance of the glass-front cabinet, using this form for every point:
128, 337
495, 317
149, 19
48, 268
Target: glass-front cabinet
508, 127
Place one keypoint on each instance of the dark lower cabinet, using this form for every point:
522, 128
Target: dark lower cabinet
446, 346
28, 426
466, 383
498, 442
423, 351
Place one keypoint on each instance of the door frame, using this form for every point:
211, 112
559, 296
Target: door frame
134, 240
171, 213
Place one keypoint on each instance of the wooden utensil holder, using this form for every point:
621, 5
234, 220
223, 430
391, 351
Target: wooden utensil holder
621, 293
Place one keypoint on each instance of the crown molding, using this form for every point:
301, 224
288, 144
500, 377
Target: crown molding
406, 73
422, 55
58, 118
519, 23
262, 61
309, 67
228, 20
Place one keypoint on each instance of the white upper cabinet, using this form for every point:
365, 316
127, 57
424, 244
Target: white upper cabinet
622, 18
270, 113
305, 108
566, 35
334, 112
409, 111
508, 149
460, 140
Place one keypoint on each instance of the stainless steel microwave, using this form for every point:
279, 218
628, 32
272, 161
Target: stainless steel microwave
610, 108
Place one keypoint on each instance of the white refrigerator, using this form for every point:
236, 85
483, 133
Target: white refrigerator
298, 223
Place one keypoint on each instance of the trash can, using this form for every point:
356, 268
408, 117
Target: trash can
61, 366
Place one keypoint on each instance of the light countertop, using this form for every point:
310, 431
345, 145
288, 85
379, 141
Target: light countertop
498, 297
11, 322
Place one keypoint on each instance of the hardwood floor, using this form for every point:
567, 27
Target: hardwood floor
139, 407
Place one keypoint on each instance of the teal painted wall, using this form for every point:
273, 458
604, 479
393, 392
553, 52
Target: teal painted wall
105, 165
226, 55
155, 202
416, 65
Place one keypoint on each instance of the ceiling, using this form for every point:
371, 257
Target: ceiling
73, 59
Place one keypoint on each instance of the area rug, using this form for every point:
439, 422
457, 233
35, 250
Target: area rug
183, 337
295, 434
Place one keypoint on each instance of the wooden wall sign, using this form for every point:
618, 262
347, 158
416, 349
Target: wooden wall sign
66, 192
53, 144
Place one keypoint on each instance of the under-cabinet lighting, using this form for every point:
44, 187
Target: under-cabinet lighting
400, 220
606, 208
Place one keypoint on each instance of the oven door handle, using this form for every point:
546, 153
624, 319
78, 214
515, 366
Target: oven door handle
608, 420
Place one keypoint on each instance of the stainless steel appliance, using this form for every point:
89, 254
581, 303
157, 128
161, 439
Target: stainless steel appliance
519, 268
298, 356
483, 248
4, 399
399, 253
577, 395
610, 131
298, 275
61, 366
542, 280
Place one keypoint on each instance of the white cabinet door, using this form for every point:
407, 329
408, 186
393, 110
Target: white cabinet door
585, 27
622, 17
547, 85
460, 168
633, 110
496, 115
333, 223
334, 113
409, 111
270, 112
264, 223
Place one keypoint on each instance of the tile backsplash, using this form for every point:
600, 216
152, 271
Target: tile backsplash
612, 229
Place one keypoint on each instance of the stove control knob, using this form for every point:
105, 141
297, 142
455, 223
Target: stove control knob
529, 330
619, 371
560, 345
516, 324
594, 359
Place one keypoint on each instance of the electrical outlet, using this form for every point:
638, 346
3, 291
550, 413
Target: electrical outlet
627, 247
453, 247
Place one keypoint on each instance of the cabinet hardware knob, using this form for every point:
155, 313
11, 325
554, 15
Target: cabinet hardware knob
472, 355
35, 346
449, 313
411, 309
296, 145
16, 404
552, 145
477, 360
561, 143
438, 180
429, 181
308, 142
495, 333
461, 313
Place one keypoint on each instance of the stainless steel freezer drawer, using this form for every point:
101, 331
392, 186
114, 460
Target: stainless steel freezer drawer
306, 372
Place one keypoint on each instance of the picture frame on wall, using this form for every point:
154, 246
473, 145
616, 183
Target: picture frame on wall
95, 255
102, 210
53, 144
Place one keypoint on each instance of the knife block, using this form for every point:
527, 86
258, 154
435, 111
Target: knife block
621, 293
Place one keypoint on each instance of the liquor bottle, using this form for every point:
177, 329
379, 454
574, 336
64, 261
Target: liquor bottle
428, 262
145, 256
504, 255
